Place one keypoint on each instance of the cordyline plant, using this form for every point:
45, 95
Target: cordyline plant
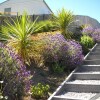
63, 21
13, 74
18, 35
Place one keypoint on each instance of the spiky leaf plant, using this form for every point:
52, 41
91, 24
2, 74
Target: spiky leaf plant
63, 20
18, 33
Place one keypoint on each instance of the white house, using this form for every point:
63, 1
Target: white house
32, 7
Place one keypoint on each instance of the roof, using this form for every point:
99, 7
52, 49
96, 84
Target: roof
47, 6
43, 1
4, 2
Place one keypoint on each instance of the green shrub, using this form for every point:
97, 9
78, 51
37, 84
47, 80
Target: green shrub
47, 26
57, 68
85, 49
87, 41
40, 91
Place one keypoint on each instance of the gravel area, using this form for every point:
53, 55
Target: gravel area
76, 95
96, 82
98, 98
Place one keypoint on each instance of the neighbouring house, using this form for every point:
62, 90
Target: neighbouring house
32, 7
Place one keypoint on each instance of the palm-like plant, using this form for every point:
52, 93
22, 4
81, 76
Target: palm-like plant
62, 21
18, 35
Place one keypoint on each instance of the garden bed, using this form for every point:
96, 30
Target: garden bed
42, 75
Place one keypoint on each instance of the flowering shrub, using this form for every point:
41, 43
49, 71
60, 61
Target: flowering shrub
13, 73
40, 91
87, 41
96, 35
75, 57
87, 30
66, 53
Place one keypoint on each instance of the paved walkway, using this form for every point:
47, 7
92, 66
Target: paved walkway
84, 82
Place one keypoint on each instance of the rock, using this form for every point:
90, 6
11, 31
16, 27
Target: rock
81, 20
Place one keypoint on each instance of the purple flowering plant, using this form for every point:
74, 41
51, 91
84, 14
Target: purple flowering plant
88, 30
67, 53
75, 57
96, 35
17, 80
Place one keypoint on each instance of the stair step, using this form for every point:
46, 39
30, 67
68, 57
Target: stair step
90, 68
97, 47
63, 98
84, 82
93, 56
91, 62
74, 96
96, 97
93, 82
96, 50
94, 53
86, 76
86, 88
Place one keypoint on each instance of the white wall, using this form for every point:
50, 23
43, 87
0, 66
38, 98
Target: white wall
31, 6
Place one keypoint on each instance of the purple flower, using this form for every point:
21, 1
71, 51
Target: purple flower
96, 35
17, 73
67, 53
88, 30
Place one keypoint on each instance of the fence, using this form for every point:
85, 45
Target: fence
41, 17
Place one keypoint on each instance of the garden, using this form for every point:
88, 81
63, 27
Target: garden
35, 57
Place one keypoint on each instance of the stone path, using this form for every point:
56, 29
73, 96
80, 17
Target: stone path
84, 82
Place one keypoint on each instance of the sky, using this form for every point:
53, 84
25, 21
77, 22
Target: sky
78, 7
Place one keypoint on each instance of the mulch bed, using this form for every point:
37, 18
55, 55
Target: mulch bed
44, 76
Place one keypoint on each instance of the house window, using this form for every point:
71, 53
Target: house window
7, 11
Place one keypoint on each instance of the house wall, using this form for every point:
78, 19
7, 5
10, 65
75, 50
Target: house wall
30, 6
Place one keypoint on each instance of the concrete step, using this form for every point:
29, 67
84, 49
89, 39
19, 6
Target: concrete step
85, 88
63, 98
91, 62
77, 92
98, 45
93, 56
93, 53
86, 82
85, 76
88, 68
96, 50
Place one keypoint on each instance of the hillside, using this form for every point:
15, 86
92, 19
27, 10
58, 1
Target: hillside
81, 20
